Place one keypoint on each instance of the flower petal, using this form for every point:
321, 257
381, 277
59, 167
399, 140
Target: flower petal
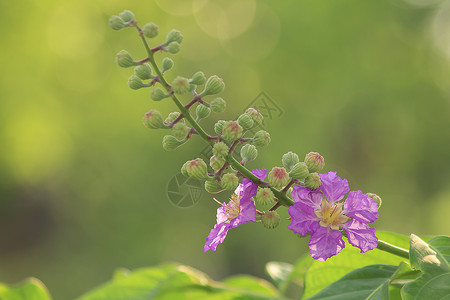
360, 235
249, 187
247, 213
260, 173
306, 196
361, 207
216, 236
333, 187
303, 219
325, 243
221, 216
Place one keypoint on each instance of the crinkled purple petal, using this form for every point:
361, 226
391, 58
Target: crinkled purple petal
325, 243
303, 219
221, 214
361, 207
333, 187
306, 196
216, 236
360, 235
247, 213
249, 187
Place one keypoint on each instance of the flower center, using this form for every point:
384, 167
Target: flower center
330, 215
232, 208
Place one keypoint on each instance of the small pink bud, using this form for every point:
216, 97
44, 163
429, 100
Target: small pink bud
278, 177
314, 161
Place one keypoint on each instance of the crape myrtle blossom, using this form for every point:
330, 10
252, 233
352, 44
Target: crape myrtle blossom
241, 209
322, 214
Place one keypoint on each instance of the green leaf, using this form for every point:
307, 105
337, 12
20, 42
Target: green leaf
279, 271
425, 257
370, 282
442, 244
30, 289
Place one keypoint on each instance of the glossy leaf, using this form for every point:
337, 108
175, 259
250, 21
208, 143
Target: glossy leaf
30, 289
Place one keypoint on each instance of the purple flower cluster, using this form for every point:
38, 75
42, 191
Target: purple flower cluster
322, 214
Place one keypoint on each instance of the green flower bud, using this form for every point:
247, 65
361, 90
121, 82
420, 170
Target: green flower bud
172, 117
270, 219
150, 30
214, 85
261, 138
264, 196
213, 187
197, 169
245, 121
278, 177
153, 119
180, 130
248, 153
166, 64
289, 160
314, 161
231, 131
158, 94
255, 115
376, 198
312, 181
220, 149
192, 87
299, 171
136, 83
218, 105
124, 59
216, 162
171, 143
174, 36
218, 127
173, 48
180, 85
184, 169
127, 16
202, 111
229, 181
198, 78
116, 23
143, 71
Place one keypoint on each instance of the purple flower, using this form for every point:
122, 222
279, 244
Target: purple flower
241, 209
322, 214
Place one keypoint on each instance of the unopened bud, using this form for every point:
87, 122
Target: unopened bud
218, 127
278, 177
289, 160
150, 30
174, 36
214, 85
202, 111
213, 187
184, 169
180, 85
127, 16
158, 94
264, 196
171, 143
180, 130
261, 138
312, 181
166, 64
255, 115
314, 161
136, 83
299, 171
124, 59
248, 153
172, 117
376, 198
218, 105
220, 149
116, 23
216, 162
198, 78
245, 121
231, 131
270, 219
143, 71
229, 181
173, 48
197, 169
153, 119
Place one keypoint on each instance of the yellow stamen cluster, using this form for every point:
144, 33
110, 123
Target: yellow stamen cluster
232, 208
331, 215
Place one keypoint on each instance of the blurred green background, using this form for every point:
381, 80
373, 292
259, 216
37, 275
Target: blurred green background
83, 184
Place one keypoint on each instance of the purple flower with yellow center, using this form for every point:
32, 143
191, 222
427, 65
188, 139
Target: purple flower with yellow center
241, 209
323, 215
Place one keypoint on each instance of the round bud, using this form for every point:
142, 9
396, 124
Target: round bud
216, 162
171, 143
136, 83
143, 71
192, 87
218, 105
264, 196
172, 117
220, 149
248, 153
278, 177
153, 119
229, 181
197, 169
255, 115
299, 171
124, 59
289, 160
270, 219
116, 23
231, 131
314, 161
245, 121
127, 16
150, 30
184, 169
174, 36
173, 48
214, 85
158, 94
261, 138
213, 187
312, 181
218, 127
202, 111
166, 64
198, 78
180, 85
376, 198
180, 130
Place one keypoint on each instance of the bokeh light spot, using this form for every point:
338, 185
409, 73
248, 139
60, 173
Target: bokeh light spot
181, 7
